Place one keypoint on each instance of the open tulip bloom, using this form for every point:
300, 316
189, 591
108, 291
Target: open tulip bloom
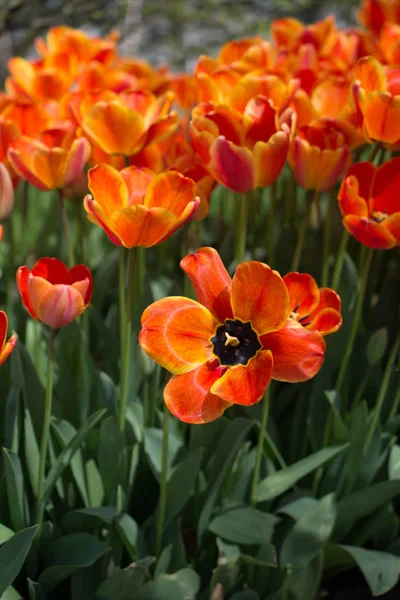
226, 348
6, 346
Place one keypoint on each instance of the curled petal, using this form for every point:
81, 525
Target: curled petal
232, 165
259, 295
97, 216
188, 396
246, 384
176, 333
298, 353
370, 233
327, 320
22, 284
210, 280
6, 347
350, 201
303, 293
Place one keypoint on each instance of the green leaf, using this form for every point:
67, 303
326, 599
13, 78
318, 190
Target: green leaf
153, 449
5, 533
32, 456
35, 590
277, 483
112, 458
12, 556
266, 557
182, 585
17, 502
107, 393
69, 554
232, 439
244, 525
309, 534
163, 562
304, 582
358, 432
180, 484
380, 569
297, 508
377, 346
128, 532
94, 484
11, 594
394, 462
123, 585
65, 456
246, 595
88, 519
362, 503
339, 428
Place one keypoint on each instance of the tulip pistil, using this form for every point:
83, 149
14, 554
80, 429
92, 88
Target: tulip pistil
235, 342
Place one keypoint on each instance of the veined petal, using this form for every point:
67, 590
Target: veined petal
188, 396
108, 188
176, 333
139, 226
326, 320
77, 157
171, 191
210, 280
97, 216
381, 113
392, 224
303, 293
246, 384
232, 165
55, 305
270, 157
259, 295
137, 181
298, 353
385, 187
369, 233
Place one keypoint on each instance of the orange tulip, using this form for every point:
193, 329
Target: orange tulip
6, 193
316, 309
225, 348
373, 13
35, 82
55, 161
318, 156
53, 294
135, 207
370, 205
6, 346
242, 152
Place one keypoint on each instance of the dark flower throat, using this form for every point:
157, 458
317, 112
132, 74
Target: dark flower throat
235, 342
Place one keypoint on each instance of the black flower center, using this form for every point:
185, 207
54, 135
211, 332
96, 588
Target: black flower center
235, 342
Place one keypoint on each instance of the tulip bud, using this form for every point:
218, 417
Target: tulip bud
6, 193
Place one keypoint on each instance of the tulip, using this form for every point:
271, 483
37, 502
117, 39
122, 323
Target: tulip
6, 193
6, 346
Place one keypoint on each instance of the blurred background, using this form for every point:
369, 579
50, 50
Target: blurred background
160, 31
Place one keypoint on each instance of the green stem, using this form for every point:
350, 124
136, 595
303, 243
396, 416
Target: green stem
382, 393
122, 298
260, 444
356, 320
46, 427
241, 227
302, 233
327, 242
395, 405
67, 233
126, 355
163, 483
339, 260
363, 385
271, 224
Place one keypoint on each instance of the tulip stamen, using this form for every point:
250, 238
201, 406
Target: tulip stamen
231, 340
235, 342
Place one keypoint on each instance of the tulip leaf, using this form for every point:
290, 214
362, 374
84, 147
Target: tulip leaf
181, 482
394, 462
303, 583
128, 532
244, 525
123, 584
377, 346
232, 438
11, 594
17, 501
12, 556
163, 562
182, 585
32, 456
358, 432
5, 533
153, 449
277, 483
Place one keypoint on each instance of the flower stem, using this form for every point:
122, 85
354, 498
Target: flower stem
356, 320
260, 444
302, 233
163, 483
382, 393
67, 233
327, 242
122, 297
126, 355
46, 427
241, 227
271, 224
339, 260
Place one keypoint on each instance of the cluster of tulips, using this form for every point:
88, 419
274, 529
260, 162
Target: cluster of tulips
314, 97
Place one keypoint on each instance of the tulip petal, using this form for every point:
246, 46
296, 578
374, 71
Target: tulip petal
327, 320
97, 216
188, 396
381, 113
171, 191
232, 165
259, 295
108, 188
246, 384
303, 293
55, 305
78, 156
3, 328
176, 333
369, 233
53, 270
270, 158
22, 284
385, 187
350, 201
298, 353
139, 226
8, 347
210, 280
80, 273
137, 181
392, 225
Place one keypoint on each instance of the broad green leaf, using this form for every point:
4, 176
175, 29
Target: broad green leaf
182, 585
107, 393
94, 484
297, 508
11, 594
111, 458
128, 532
5, 533
245, 595
309, 534
123, 584
32, 456
277, 483
244, 525
65, 456
17, 502
305, 581
163, 562
394, 462
358, 432
36, 591
266, 557
377, 346
339, 428
11, 417
225, 454
362, 503
69, 554
153, 449
88, 519
380, 569
180, 484
12, 556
